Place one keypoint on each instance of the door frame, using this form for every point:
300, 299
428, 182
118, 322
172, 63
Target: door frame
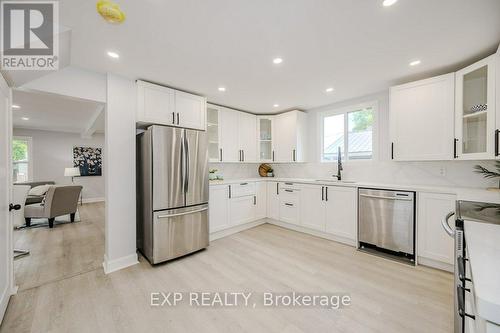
6, 89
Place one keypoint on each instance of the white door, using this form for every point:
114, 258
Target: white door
341, 211
155, 104
286, 137
312, 204
422, 118
228, 122
433, 242
219, 208
247, 128
261, 200
273, 200
242, 210
475, 110
5, 194
191, 110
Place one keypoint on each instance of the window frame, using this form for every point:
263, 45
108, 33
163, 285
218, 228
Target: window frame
345, 110
28, 139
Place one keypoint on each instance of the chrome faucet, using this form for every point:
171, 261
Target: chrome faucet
339, 166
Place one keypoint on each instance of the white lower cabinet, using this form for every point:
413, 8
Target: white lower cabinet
341, 211
218, 207
260, 200
433, 242
273, 200
312, 213
289, 205
241, 210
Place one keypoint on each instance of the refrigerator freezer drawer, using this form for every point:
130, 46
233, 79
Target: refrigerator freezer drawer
179, 232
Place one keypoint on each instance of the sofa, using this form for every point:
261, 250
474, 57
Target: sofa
34, 199
59, 200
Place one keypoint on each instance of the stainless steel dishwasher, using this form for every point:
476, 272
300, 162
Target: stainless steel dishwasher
386, 223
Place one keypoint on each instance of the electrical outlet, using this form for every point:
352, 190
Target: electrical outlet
442, 171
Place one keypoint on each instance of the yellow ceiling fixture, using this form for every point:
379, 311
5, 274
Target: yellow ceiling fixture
110, 11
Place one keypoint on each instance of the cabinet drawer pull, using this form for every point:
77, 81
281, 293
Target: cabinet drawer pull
288, 183
289, 204
243, 184
173, 118
286, 190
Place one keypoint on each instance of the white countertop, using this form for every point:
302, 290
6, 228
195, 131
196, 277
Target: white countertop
483, 246
463, 193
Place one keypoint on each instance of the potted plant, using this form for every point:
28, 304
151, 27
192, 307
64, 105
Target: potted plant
212, 175
489, 174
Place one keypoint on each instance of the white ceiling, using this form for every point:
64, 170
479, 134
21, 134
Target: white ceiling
57, 113
356, 46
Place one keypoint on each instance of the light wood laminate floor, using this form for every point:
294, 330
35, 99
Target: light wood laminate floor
386, 296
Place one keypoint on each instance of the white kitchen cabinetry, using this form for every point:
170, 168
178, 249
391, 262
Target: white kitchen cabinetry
218, 206
260, 200
247, 126
433, 242
290, 137
265, 136
475, 110
213, 132
312, 212
242, 210
341, 211
165, 106
273, 200
422, 117
228, 122
289, 205
497, 101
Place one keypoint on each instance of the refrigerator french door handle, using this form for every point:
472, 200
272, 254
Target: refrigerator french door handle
496, 142
186, 153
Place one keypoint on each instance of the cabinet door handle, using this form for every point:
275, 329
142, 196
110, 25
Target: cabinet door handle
293, 155
392, 150
496, 142
177, 118
254, 200
455, 148
322, 193
220, 154
229, 191
326, 193
277, 188
173, 118
242, 155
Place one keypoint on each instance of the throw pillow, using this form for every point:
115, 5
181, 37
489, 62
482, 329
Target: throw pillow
39, 190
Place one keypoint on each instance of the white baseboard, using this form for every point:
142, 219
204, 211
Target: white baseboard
92, 200
4, 301
236, 229
435, 264
114, 265
339, 239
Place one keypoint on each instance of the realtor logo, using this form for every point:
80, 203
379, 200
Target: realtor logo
29, 35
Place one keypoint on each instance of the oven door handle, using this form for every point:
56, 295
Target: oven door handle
446, 224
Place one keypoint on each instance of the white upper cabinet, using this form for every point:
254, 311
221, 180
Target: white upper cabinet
191, 110
228, 122
247, 126
165, 106
213, 131
475, 110
265, 136
290, 137
422, 119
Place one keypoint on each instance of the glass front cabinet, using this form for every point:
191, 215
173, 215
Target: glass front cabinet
213, 131
475, 93
265, 136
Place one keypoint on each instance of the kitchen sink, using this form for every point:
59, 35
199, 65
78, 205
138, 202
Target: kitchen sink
336, 181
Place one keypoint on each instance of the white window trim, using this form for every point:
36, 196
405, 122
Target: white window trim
345, 110
30, 154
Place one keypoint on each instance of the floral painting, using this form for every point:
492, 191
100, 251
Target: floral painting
89, 160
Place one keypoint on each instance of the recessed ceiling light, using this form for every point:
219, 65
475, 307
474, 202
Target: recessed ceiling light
25, 118
277, 61
15, 106
415, 63
276, 105
113, 55
388, 3
222, 88
329, 89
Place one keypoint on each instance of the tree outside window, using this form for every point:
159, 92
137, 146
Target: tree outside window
21, 159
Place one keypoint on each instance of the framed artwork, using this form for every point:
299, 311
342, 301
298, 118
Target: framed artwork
89, 160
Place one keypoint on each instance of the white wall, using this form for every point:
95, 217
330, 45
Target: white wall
53, 151
119, 168
457, 173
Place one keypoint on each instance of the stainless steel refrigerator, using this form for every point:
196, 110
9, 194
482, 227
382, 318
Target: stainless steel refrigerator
172, 192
